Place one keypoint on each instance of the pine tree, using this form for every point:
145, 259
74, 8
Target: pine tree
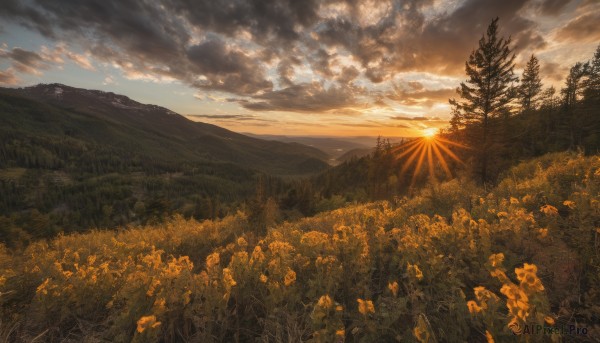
531, 85
591, 86
572, 89
488, 91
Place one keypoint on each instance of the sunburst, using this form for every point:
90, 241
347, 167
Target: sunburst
432, 147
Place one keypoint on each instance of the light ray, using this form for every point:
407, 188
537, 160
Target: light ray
440, 158
432, 146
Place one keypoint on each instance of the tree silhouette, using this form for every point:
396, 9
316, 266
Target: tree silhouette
487, 92
531, 85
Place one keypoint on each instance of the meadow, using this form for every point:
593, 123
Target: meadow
453, 263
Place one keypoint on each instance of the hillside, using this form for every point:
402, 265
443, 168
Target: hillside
333, 146
115, 120
521, 255
354, 154
73, 159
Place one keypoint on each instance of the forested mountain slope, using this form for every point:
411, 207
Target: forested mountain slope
73, 159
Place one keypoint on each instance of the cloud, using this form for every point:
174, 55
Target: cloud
109, 80
553, 7
582, 28
81, 60
419, 118
415, 94
284, 55
25, 61
553, 71
224, 116
226, 68
8, 77
307, 97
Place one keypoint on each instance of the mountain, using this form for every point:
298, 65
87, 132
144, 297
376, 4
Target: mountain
116, 120
354, 153
73, 159
333, 146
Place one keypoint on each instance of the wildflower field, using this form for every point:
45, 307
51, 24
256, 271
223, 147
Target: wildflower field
455, 263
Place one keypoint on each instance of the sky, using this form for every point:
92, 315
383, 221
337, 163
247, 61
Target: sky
287, 67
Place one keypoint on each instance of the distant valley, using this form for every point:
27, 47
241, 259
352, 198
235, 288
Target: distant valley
73, 158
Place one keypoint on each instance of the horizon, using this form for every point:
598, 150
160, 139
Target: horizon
328, 69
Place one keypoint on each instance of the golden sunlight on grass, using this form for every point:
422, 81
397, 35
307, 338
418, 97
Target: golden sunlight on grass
434, 147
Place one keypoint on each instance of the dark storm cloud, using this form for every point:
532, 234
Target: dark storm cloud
226, 45
404, 40
264, 19
226, 69
306, 97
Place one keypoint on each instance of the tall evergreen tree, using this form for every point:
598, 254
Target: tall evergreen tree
487, 92
591, 86
531, 85
572, 90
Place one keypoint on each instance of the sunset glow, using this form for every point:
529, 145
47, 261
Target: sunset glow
347, 68
429, 132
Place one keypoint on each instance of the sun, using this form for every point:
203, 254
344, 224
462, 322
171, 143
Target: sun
429, 132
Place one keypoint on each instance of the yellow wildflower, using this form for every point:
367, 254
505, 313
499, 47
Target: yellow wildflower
473, 307
526, 199
365, 306
290, 277
155, 283
414, 271
570, 204
257, 255
340, 333
212, 260
146, 322
514, 201
489, 337
393, 287
263, 278
228, 278
496, 259
549, 210
542, 233
549, 320
242, 242
325, 301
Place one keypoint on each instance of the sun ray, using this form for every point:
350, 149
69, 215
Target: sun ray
409, 150
451, 154
451, 143
432, 146
411, 159
430, 160
418, 168
442, 160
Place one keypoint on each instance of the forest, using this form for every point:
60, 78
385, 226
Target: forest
493, 222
